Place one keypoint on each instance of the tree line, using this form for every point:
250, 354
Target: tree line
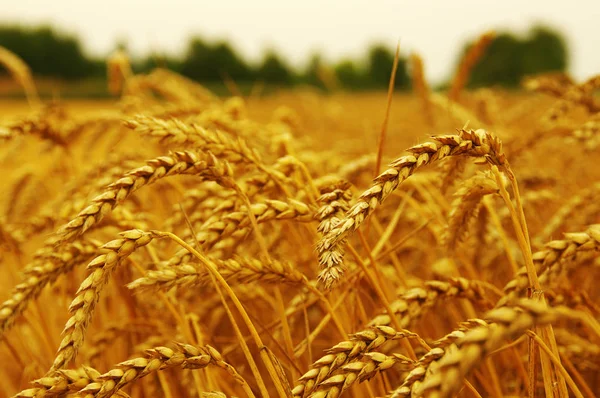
506, 61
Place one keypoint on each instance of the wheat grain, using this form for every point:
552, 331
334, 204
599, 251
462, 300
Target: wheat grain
188, 162
508, 323
468, 143
84, 303
555, 253
235, 271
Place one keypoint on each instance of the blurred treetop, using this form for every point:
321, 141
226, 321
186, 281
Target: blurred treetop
508, 59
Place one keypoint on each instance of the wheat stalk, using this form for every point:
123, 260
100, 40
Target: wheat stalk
346, 352
334, 203
460, 358
479, 143
186, 162
409, 307
235, 271
84, 303
556, 252
21, 73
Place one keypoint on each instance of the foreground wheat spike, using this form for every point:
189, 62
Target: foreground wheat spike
237, 223
441, 371
360, 370
90, 383
45, 269
353, 350
186, 162
555, 252
412, 303
87, 296
239, 270
334, 203
234, 150
184, 355
467, 352
408, 307
479, 143
60, 383
415, 376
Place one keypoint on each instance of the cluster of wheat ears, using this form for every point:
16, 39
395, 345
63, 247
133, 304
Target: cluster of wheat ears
183, 245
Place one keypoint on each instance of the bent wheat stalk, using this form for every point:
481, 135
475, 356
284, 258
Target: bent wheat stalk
409, 307
87, 296
21, 73
359, 346
186, 162
238, 270
555, 253
90, 383
334, 203
468, 351
479, 143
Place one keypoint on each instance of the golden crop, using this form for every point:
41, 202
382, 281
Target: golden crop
176, 244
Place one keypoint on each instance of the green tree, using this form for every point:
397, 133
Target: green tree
156, 60
197, 63
509, 58
381, 61
229, 63
313, 71
274, 70
545, 50
349, 74
47, 52
206, 62
501, 64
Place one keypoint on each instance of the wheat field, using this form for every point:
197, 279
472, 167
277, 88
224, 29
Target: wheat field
172, 243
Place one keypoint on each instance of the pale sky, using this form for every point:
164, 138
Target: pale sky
435, 29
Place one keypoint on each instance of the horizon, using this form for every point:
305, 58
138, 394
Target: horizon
306, 28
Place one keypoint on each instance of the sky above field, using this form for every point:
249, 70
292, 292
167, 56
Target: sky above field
435, 29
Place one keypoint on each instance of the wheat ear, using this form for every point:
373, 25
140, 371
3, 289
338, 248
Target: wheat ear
186, 162
461, 357
479, 143
88, 294
555, 252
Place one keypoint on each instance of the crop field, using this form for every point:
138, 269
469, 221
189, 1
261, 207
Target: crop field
173, 243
